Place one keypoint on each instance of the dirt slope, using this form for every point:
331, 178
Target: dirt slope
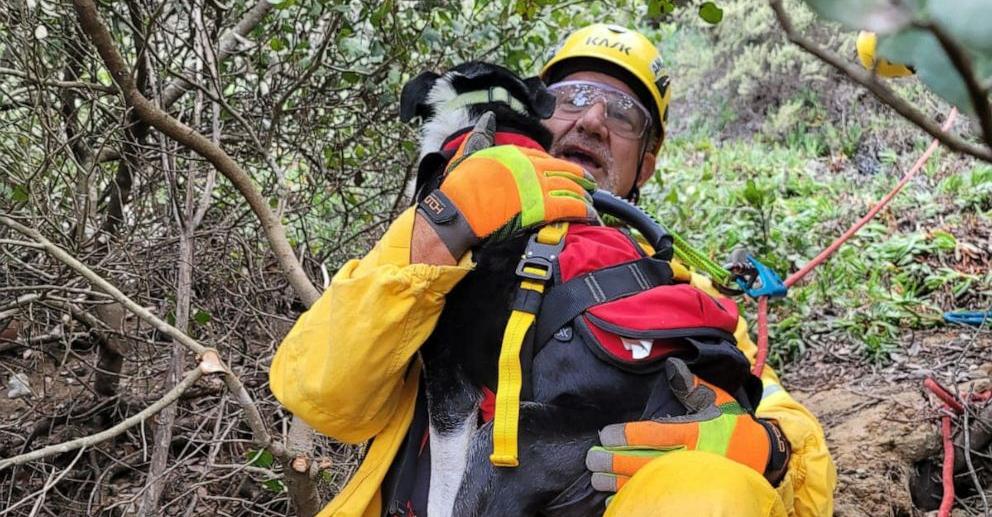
878, 420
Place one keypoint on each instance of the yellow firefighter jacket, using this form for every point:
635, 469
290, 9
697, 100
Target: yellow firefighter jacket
348, 368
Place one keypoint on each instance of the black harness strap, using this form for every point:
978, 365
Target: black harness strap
566, 301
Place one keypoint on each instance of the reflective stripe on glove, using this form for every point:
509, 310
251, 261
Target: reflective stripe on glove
714, 423
496, 191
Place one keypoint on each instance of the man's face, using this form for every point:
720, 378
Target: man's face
588, 142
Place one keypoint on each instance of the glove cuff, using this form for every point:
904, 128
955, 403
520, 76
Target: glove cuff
779, 452
448, 222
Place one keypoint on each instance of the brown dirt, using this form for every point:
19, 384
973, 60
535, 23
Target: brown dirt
879, 421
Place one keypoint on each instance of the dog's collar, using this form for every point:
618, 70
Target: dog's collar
501, 137
494, 94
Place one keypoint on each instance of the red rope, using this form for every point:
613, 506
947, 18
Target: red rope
951, 403
825, 254
759, 361
944, 395
948, 471
983, 396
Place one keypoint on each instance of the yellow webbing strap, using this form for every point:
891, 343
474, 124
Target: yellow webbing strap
507, 414
552, 233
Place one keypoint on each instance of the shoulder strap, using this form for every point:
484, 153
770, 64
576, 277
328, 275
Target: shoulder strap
566, 301
535, 268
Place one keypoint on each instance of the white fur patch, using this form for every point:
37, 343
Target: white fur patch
444, 122
449, 459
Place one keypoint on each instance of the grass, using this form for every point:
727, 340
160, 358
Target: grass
788, 199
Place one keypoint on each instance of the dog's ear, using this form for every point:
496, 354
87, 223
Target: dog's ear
414, 94
541, 102
430, 171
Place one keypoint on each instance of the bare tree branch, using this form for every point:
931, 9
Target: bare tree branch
227, 45
180, 85
276, 234
82, 85
52, 480
870, 81
105, 286
171, 396
962, 62
210, 362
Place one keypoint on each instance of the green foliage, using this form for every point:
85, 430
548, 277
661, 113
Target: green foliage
262, 458
202, 317
968, 20
970, 190
19, 193
735, 71
784, 204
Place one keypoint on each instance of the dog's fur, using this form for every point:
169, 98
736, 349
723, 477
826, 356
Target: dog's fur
574, 393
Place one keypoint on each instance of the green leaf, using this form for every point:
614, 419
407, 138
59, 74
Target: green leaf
944, 241
881, 16
262, 458
969, 21
710, 13
202, 317
921, 50
103, 76
654, 8
20, 193
274, 485
277, 44
752, 194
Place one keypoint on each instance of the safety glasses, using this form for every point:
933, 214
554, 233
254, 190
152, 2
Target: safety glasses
625, 116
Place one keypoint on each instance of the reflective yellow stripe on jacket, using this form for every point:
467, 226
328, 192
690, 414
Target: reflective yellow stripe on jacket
346, 369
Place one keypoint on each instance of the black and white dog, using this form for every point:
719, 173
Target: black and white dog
574, 393
460, 361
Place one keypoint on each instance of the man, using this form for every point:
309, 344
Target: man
348, 366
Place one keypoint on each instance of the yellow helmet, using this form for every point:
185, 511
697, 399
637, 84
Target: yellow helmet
630, 51
866, 53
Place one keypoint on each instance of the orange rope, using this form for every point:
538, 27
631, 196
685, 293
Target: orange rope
759, 363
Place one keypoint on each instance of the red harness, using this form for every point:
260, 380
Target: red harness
659, 314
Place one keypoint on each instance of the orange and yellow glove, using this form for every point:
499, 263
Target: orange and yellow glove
497, 191
715, 423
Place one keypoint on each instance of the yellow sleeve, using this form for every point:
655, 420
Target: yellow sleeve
808, 486
341, 367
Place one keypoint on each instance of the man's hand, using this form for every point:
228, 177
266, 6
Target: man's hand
496, 191
715, 423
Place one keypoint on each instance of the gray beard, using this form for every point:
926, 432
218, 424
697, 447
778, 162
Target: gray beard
574, 138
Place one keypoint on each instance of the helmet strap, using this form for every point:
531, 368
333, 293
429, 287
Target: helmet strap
635, 192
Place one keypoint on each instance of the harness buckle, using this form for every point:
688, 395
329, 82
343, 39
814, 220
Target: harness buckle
537, 262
